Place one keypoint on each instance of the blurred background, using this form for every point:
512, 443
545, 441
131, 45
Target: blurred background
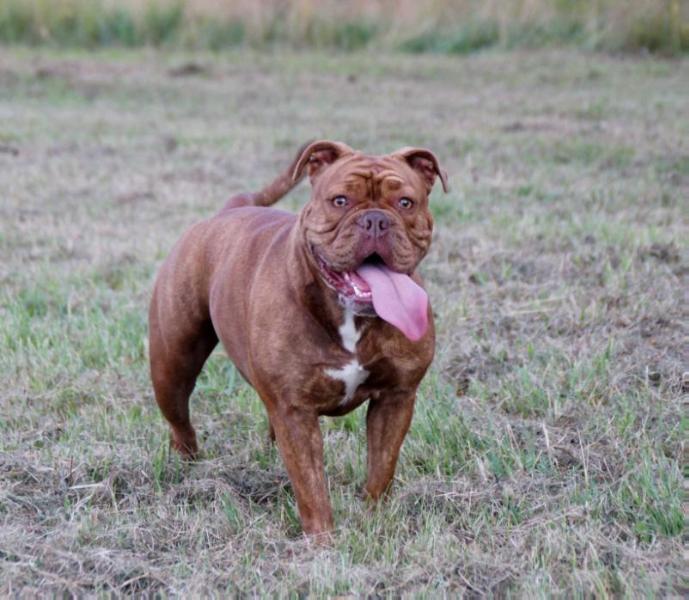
442, 26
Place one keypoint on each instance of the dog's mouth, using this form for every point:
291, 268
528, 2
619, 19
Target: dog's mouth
395, 297
348, 284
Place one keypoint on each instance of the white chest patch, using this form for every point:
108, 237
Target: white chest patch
348, 332
352, 374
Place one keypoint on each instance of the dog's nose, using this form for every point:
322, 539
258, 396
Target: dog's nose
374, 222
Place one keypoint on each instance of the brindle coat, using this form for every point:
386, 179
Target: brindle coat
249, 278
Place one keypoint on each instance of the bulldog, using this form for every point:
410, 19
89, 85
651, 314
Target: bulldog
320, 311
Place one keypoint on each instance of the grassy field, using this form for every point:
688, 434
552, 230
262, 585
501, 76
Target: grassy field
547, 449
437, 26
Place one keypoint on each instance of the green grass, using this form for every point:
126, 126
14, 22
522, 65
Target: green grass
462, 27
546, 452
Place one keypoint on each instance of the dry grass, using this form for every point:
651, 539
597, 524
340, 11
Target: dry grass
546, 453
445, 26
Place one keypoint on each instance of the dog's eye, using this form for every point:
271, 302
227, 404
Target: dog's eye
405, 203
340, 201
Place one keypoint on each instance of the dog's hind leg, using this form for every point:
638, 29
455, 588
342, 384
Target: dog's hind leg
177, 352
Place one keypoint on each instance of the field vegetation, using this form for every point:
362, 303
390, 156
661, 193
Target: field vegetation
547, 449
440, 26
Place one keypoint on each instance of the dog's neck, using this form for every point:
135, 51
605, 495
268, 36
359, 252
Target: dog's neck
322, 302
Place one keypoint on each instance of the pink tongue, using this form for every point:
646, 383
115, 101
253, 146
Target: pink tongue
397, 299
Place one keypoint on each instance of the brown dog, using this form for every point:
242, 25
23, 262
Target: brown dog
319, 311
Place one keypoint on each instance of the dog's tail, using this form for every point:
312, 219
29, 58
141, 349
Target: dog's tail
275, 190
281, 185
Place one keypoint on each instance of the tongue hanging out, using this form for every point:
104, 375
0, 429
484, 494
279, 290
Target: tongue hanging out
397, 299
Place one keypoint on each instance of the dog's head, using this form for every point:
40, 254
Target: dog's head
368, 225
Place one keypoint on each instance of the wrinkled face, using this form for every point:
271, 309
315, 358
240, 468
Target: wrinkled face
366, 211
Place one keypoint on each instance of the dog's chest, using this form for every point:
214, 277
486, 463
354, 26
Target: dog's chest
352, 373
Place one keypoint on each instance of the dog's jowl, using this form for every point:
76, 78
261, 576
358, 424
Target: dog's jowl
319, 311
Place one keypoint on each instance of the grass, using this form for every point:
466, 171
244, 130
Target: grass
546, 453
448, 26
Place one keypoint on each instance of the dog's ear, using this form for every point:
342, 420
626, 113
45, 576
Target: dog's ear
425, 163
318, 155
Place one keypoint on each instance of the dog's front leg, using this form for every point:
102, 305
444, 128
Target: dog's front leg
387, 422
300, 442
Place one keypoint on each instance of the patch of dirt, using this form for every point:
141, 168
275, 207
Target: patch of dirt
189, 69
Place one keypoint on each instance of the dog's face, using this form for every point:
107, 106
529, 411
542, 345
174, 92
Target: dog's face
366, 211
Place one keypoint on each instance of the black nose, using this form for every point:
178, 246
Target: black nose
374, 222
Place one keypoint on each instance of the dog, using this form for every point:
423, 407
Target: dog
319, 311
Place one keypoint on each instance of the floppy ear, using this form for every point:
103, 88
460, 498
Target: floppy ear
425, 163
318, 155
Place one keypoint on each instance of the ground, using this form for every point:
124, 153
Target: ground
546, 450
